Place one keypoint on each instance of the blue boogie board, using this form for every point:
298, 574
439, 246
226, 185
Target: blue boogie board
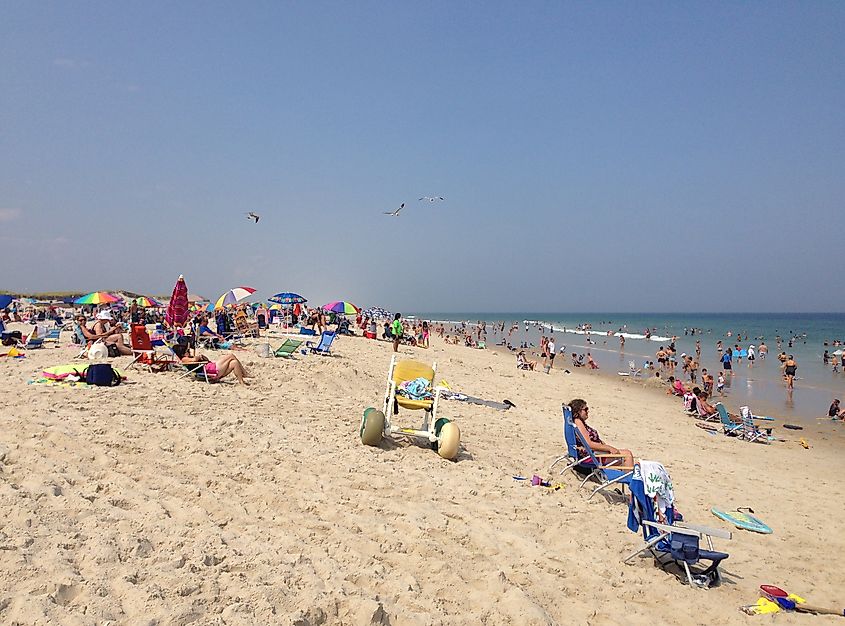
742, 520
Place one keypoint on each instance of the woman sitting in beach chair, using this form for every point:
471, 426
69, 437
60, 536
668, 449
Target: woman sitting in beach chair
214, 370
524, 364
580, 415
112, 337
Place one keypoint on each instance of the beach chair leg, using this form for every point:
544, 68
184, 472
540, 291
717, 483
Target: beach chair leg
558, 460
610, 483
588, 477
651, 542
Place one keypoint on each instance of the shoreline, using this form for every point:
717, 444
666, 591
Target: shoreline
760, 387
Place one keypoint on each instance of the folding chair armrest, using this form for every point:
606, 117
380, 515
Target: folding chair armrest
704, 530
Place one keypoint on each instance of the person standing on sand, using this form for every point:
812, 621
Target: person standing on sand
550, 348
397, 331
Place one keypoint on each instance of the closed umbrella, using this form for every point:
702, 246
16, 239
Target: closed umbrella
177, 310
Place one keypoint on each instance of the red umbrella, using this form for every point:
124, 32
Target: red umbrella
177, 310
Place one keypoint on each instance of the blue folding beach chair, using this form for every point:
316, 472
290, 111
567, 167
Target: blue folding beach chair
585, 461
33, 341
572, 455
731, 428
674, 545
325, 345
53, 335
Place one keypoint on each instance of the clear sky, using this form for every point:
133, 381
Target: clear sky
612, 156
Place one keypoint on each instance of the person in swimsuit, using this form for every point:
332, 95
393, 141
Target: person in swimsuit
111, 336
789, 369
726, 361
228, 364
580, 414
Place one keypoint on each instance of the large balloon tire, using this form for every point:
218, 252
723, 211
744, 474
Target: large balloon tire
372, 427
449, 441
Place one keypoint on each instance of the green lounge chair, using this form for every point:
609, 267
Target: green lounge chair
288, 348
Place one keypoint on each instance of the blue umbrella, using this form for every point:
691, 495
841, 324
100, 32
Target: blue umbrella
5, 301
287, 297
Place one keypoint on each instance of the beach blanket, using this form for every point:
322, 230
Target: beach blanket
70, 374
417, 389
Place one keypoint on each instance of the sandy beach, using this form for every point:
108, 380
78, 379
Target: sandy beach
170, 501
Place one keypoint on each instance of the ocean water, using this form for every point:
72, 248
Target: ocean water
760, 386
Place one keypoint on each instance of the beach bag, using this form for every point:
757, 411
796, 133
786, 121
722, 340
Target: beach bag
98, 351
263, 350
102, 375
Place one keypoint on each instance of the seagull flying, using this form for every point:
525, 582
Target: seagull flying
432, 198
396, 212
253, 216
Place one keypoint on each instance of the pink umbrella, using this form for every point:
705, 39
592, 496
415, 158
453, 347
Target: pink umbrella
177, 310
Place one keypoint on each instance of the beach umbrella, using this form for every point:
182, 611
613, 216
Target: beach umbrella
148, 302
5, 301
287, 297
376, 313
177, 310
341, 306
233, 296
97, 297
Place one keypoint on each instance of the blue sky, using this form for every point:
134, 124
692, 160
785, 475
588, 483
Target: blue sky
594, 156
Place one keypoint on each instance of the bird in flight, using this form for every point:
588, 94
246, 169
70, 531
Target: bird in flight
396, 212
432, 198
253, 216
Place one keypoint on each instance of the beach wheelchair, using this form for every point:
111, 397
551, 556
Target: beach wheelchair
443, 435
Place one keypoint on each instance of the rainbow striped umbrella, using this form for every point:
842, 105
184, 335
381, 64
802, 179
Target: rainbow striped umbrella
233, 296
148, 302
341, 306
97, 297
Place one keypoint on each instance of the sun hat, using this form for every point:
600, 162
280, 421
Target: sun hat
104, 315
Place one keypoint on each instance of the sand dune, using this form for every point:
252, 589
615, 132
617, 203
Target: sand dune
169, 501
